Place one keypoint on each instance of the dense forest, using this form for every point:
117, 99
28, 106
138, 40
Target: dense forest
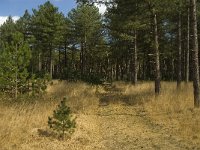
133, 41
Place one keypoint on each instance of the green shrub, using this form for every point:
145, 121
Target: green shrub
62, 121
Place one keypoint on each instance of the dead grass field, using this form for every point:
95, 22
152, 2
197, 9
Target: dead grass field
117, 117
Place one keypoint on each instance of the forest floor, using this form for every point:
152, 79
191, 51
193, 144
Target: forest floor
112, 117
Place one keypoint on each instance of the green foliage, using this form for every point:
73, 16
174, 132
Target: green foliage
38, 85
7, 30
85, 23
84, 45
71, 74
14, 60
48, 30
93, 79
62, 121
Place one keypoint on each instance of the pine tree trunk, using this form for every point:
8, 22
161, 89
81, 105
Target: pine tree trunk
144, 68
173, 69
72, 62
59, 61
65, 56
135, 69
121, 71
188, 48
39, 62
179, 52
85, 55
82, 60
117, 70
16, 75
51, 63
107, 67
157, 56
195, 60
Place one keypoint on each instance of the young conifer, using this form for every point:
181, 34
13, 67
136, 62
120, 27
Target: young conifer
62, 121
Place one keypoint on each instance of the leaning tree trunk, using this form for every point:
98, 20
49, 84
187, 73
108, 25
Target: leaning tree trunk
157, 55
179, 52
195, 53
188, 48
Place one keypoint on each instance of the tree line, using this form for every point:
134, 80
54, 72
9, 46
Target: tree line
134, 40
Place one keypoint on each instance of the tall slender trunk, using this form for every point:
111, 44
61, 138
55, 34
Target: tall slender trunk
59, 61
156, 48
195, 60
72, 62
135, 63
85, 54
188, 47
173, 69
82, 60
157, 56
121, 71
117, 70
51, 62
179, 51
144, 67
65, 55
39, 62
107, 67
16, 74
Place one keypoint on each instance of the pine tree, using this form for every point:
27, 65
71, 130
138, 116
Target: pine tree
195, 49
7, 29
23, 25
47, 23
14, 60
62, 121
85, 25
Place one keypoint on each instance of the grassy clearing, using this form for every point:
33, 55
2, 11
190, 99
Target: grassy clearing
172, 108
24, 125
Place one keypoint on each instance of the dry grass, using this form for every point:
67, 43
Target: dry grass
172, 109
21, 121
82, 97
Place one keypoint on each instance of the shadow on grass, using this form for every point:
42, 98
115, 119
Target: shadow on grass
51, 134
117, 96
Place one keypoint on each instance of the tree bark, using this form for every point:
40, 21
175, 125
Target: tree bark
16, 74
188, 48
51, 61
195, 60
39, 62
135, 63
59, 61
179, 52
65, 55
157, 56
82, 60
117, 70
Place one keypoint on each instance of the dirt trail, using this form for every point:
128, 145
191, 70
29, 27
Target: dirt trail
127, 127
126, 130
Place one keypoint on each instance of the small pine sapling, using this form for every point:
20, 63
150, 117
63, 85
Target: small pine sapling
62, 121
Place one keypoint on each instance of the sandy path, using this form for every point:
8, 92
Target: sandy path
125, 129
